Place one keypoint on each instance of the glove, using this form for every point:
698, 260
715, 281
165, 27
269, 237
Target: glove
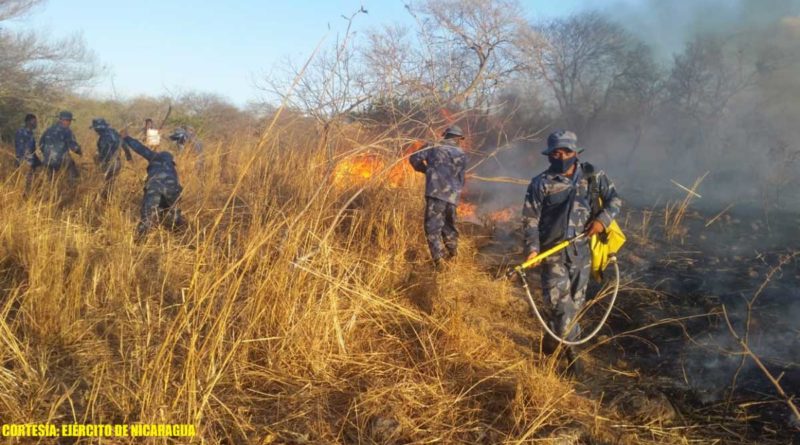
531, 256
595, 227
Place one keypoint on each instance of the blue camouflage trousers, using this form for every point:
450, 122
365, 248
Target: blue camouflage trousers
67, 164
110, 169
565, 277
440, 228
160, 204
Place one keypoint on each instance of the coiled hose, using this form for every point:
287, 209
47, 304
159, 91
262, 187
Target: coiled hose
612, 260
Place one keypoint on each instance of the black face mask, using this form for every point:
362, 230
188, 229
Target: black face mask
562, 165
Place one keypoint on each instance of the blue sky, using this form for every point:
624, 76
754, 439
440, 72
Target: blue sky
174, 46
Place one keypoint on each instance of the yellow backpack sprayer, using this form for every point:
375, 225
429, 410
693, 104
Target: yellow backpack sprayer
604, 248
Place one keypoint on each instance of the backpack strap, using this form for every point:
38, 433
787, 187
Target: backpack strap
594, 188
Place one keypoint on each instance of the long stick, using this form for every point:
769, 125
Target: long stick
166, 116
503, 179
775, 381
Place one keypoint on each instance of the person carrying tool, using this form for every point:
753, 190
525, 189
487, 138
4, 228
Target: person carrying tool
161, 190
107, 157
562, 203
152, 134
444, 167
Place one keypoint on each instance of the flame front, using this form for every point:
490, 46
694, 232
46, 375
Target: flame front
402, 171
357, 170
502, 216
467, 210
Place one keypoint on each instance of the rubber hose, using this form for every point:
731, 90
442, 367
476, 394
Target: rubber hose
596, 330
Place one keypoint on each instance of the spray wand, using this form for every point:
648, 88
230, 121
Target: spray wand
520, 270
532, 262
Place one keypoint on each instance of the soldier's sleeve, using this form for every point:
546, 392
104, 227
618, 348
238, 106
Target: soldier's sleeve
72, 143
531, 212
611, 200
138, 147
20, 147
418, 159
127, 151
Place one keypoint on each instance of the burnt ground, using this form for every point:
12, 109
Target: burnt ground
667, 357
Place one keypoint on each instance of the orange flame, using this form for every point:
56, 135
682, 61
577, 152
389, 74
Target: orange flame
356, 170
502, 216
402, 171
467, 210
470, 212
414, 146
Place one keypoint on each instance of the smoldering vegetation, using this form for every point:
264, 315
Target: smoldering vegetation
689, 107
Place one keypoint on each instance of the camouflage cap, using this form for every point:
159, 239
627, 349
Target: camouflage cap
562, 139
65, 115
454, 130
99, 123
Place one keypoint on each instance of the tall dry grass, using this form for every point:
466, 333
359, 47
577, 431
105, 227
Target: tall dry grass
290, 312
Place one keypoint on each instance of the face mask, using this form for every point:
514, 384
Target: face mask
562, 165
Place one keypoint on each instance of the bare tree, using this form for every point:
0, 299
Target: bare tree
639, 94
585, 60
34, 72
328, 88
468, 47
706, 76
394, 63
10, 9
702, 86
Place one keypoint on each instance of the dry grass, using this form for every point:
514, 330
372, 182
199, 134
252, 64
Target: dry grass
675, 212
290, 313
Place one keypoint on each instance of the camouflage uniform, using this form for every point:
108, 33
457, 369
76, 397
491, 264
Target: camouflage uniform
108, 145
162, 188
444, 167
107, 157
25, 147
556, 208
55, 144
183, 136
